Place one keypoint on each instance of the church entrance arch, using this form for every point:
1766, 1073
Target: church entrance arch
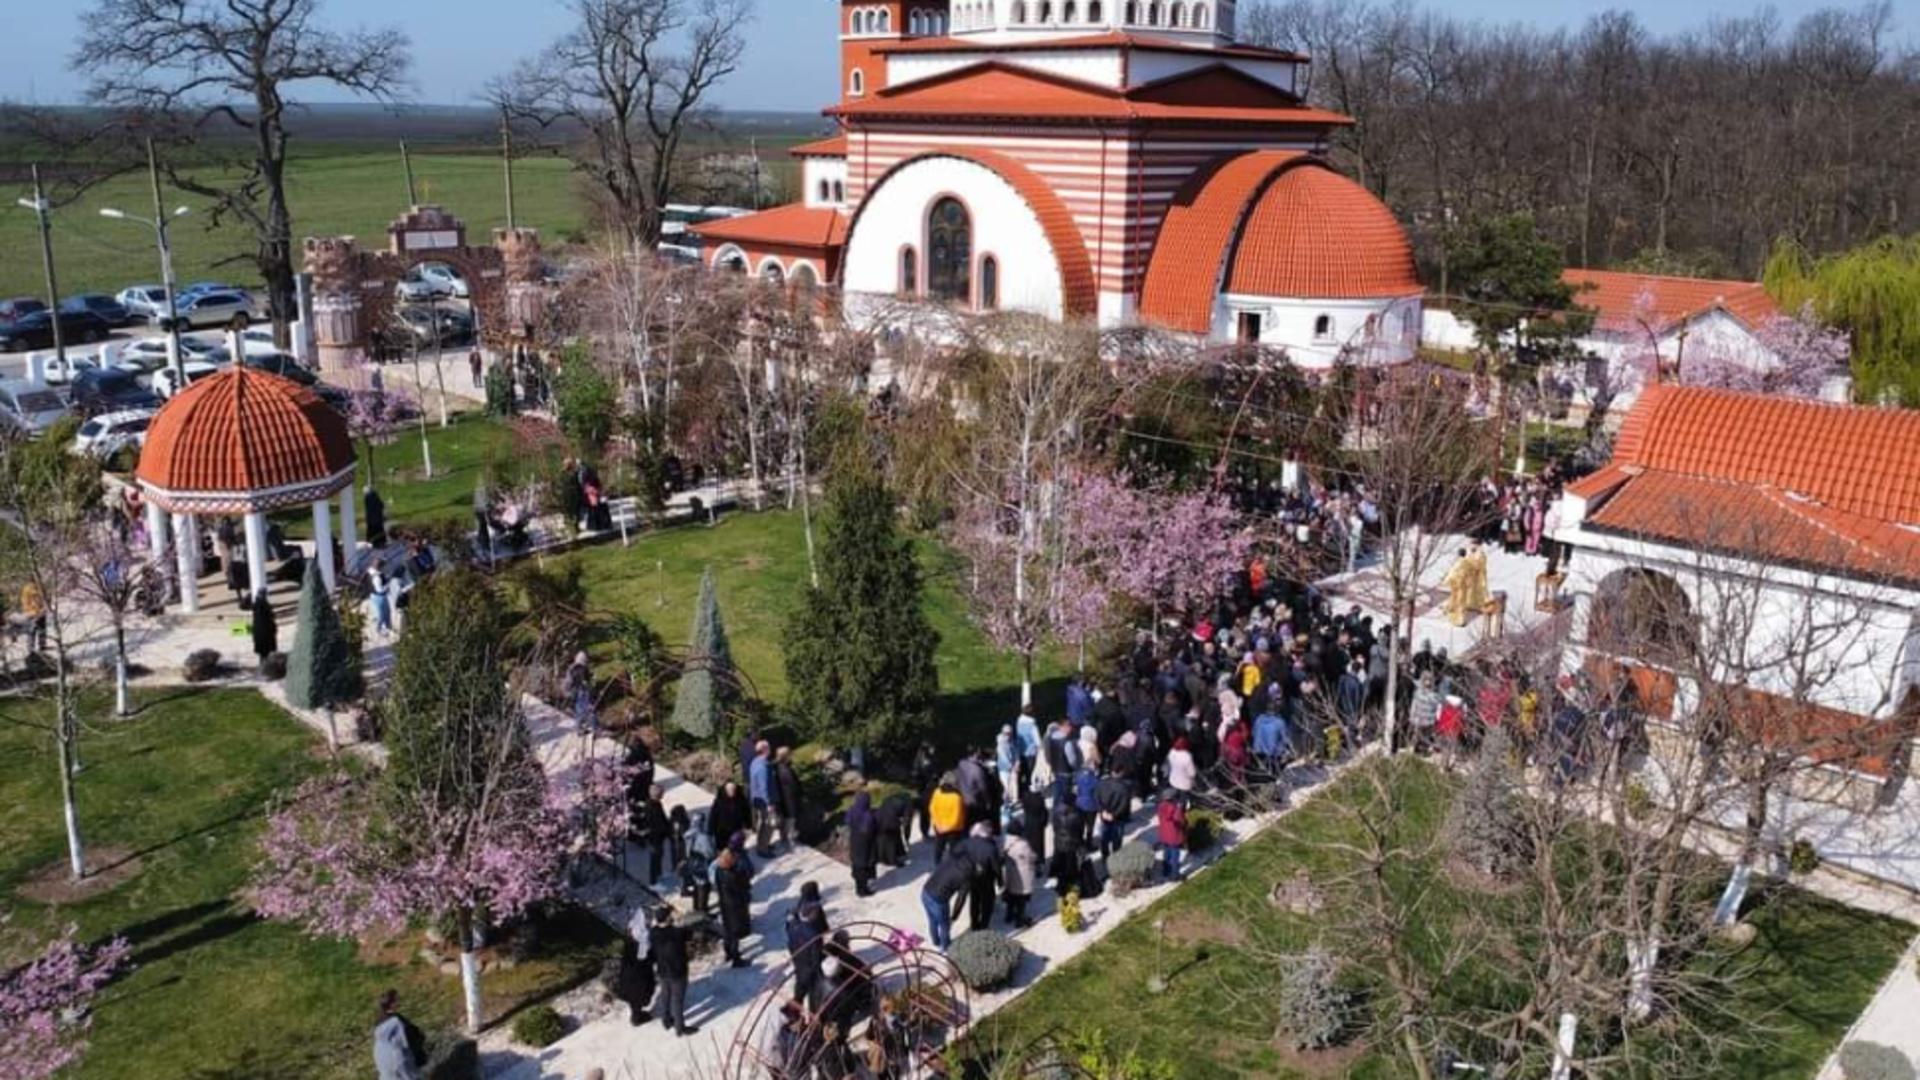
355, 290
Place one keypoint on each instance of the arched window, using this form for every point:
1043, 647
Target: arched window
772, 274
1177, 15
839, 191
1322, 327
989, 283
916, 22
1019, 12
909, 272
1153, 13
949, 251
1200, 16
1093, 11
857, 83
826, 191
1046, 11
939, 23
803, 277
1071, 12
1131, 13
732, 260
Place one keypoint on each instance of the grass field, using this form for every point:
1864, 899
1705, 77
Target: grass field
354, 193
215, 992
1812, 968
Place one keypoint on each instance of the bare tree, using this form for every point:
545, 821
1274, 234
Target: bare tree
630, 80
185, 64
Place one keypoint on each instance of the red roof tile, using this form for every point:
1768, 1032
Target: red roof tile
1316, 233
243, 430
1111, 40
1077, 287
1615, 298
995, 89
1784, 478
1184, 272
832, 146
792, 225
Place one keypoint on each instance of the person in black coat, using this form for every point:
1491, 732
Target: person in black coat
729, 814
1033, 824
733, 886
651, 829
786, 795
806, 930
863, 847
1066, 845
667, 944
376, 513
926, 775
892, 820
266, 633
980, 849
635, 983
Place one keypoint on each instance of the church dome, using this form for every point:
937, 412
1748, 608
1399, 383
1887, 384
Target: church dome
1314, 233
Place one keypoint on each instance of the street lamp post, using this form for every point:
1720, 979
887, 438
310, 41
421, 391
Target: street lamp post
159, 226
41, 209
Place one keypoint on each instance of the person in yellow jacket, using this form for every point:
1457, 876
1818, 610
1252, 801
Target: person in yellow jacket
33, 604
947, 813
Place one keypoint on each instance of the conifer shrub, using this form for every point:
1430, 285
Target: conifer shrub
986, 959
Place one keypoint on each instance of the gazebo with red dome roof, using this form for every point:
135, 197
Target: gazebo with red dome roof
245, 442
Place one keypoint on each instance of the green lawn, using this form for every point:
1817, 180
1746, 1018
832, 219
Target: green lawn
759, 564
462, 451
331, 191
1813, 967
216, 992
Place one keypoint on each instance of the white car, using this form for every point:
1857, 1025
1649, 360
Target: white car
162, 382
150, 353
216, 308
147, 302
106, 435
430, 280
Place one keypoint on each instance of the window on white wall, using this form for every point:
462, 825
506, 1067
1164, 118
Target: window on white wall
1093, 11
826, 191
1130, 13
839, 191
1200, 16
1177, 15
949, 251
1046, 11
1322, 327
909, 272
989, 283
1019, 12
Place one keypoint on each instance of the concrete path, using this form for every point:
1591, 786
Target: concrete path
1892, 1018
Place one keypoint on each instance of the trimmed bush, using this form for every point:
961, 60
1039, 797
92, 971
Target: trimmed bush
1071, 918
539, 1027
987, 959
1313, 1008
1802, 858
202, 665
1874, 1061
1130, 868
453, 1058
1639, 800
1204, 828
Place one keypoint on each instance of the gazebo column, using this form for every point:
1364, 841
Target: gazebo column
349, 531
256, 553
186, 544
156, 532
323, 540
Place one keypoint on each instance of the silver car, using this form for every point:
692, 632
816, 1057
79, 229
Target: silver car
147, 302
31, 408
106, 435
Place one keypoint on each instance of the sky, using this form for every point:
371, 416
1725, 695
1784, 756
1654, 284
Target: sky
791, 61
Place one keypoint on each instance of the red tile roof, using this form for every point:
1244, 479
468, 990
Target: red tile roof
1316, 233
1078, 291
1615, 297
243, 430
832, 146
1836, 486
792, 225
1111, 40
998, 90
1291, 226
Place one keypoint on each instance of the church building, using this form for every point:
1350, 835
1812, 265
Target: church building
1118, 160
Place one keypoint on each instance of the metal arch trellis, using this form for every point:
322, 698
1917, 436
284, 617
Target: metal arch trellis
911, 1003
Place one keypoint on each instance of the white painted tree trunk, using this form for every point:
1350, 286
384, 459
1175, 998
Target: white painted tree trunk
470, 986
1641, 956
76, 847
1563, 1047
122, 693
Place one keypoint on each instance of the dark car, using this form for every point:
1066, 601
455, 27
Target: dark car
277, 363
18, 306
34, 330
103, 390
111, 311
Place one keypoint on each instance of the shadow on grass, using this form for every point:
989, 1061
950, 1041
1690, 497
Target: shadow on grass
968, 720
202, 923
250, 811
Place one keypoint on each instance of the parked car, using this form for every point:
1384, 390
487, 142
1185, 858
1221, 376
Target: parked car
103, 390
150, 353
106, 435
18, 306
216, 309
430, 280
111, 311
147, 302
162, 381
198, 287
31, 408
34, 330
455, 327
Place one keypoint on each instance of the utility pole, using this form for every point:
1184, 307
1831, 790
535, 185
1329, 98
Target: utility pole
506, 156
406, 162
41, 210
166, 272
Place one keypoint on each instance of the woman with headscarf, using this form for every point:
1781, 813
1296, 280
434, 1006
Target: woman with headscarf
729, 814
733, 886
892, 820
1033, 823
863, 831
696, 868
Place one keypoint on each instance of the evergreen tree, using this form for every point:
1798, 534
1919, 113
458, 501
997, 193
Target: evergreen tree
1487, 827
860, 651
449, 698
323, 672
708, 685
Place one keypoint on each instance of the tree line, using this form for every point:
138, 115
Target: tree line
1691, 152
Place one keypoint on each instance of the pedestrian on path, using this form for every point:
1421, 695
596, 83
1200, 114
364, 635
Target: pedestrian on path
733, 887
729, 814
983, 852
1172, 833
652, 829
265, 631
947, 812
786, 798
33, 605
399, 1047
948, 882
382, 603
1019, 865
667, 942
806, 932
474, 366
893, 820
926, 775
760, 791
863, 843
696, 868
635, 982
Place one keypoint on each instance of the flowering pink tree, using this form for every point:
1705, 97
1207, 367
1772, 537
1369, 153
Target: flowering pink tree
1797, 355
1161, 548
43, 1005
376, 411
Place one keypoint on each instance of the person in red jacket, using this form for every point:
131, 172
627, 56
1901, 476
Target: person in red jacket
1173, 833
